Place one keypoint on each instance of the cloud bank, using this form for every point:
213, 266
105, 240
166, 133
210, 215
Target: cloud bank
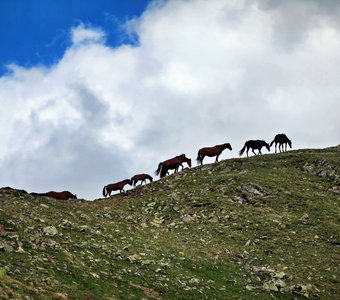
201, 73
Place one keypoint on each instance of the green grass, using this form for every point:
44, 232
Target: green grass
250, 228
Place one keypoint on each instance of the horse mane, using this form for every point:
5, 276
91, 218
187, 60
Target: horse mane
149, 177
126, 181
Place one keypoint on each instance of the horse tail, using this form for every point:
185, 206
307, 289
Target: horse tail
198, 159
243, 149
159, 168
104, 191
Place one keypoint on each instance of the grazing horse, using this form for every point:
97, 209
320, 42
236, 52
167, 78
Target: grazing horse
65, 195
254, 144
211, 152
140, 177
282, 140
8, 188
115, 187
172, 164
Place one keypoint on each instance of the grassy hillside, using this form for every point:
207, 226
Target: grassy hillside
250, 228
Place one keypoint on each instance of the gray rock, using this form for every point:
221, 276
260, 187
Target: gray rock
252, 189
4, 247
214, 219
50, 230
187, 218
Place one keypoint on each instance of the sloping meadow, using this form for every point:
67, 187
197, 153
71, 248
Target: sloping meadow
251, 228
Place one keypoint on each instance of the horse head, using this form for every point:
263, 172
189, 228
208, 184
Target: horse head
290, 143
189, 162
228, 146
267, 146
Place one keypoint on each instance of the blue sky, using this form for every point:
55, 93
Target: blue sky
83, 104
37, 31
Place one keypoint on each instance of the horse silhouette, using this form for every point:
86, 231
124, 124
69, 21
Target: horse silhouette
211, 152
140, 177
8, 188
172, 164
115, 187
282, 140
64, 195
254, 144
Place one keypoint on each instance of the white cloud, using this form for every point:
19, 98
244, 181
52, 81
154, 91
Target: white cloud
204, 72
84, 35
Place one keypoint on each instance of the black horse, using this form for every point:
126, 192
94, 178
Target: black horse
254, 144
282, 140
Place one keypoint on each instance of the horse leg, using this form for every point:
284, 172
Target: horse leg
276, 147
216, 160
252, 149
247, 151
260, 153
201, 159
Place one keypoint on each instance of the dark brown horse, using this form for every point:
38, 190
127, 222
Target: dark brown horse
140, 177
282, 140
254, 144
211, 152
118, 186
172, 164
180, 161
8, 188
65, 195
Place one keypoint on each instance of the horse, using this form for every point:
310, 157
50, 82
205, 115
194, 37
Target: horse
282, 140
172, 164
8, 188
140, 177
254, 144
115, 187
180, 161
211, 152
64, 195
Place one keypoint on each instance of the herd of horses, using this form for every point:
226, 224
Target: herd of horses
175, 163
